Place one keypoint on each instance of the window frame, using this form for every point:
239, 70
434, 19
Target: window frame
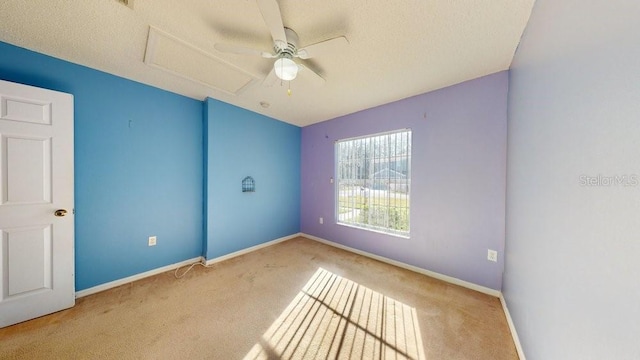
406, 157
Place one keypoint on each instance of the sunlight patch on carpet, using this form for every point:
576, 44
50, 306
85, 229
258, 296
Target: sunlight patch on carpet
336, 318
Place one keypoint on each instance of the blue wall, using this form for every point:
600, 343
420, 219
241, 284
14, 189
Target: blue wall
242, 143
138, 167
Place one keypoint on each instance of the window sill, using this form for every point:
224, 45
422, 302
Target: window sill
408, 236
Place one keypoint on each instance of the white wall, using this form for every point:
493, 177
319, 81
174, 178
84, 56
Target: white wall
572, 268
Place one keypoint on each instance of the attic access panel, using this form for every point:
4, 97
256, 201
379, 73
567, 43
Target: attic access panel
171, 54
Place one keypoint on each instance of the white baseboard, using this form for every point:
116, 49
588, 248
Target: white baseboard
439, 276
251, 249
416, 269
433, 274
512, 328
116, 283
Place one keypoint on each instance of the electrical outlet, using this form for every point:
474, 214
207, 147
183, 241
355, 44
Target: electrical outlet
492, 255
152, 240
321, 221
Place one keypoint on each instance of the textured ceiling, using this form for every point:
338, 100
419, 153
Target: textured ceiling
397, 48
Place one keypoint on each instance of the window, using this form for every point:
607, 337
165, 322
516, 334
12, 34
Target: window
373, 180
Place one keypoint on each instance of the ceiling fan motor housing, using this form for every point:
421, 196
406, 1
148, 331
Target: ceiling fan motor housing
292, 45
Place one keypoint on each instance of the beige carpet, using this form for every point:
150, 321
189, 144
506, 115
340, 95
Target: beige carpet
295, 300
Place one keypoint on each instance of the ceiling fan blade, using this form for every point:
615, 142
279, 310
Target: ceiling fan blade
311, 75
271, 79
331, 46
233, 49
273, 19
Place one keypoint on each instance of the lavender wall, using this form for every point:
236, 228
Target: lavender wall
572, 276
458, 181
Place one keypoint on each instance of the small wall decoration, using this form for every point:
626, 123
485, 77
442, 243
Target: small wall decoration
248, 184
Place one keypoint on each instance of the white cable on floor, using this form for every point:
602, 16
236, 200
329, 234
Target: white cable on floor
189, 269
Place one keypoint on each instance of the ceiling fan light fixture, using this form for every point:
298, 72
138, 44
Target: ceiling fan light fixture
286, 69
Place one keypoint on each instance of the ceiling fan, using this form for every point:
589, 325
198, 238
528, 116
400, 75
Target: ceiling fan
285, 48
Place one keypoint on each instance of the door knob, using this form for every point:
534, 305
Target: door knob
60, 212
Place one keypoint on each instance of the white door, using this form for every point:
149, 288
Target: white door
36, 188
